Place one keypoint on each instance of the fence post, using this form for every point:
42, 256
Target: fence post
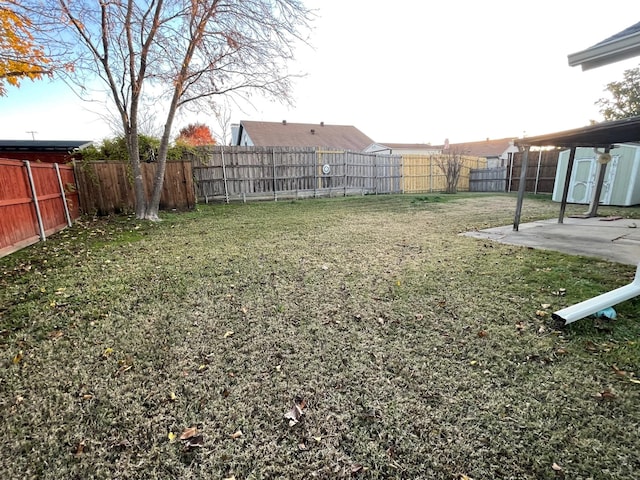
64, 197
430, 173
224, 175
315, 173
35, 200
344, 180
535, 188
273, 162
511, 157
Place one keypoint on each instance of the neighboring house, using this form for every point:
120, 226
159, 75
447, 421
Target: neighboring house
47, 151
497, 152
404, 148
285, 134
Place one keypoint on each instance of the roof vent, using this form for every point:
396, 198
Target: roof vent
322, 124
313, 131
284, 122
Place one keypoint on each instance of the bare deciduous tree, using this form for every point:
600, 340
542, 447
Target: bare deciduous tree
451, 162
177, 52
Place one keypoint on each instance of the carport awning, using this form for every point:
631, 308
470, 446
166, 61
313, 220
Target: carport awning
602, 135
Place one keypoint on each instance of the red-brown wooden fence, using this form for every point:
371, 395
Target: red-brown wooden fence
32, 202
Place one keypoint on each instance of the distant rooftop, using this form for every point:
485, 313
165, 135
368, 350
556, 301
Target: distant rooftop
286, 134
42, 145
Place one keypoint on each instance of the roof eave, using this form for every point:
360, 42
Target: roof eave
604, 54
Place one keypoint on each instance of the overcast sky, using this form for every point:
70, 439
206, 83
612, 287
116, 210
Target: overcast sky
406, 71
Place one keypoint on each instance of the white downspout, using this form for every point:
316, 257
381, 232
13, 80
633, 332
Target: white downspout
595, 304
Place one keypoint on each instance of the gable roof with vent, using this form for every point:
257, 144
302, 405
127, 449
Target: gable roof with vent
286, 134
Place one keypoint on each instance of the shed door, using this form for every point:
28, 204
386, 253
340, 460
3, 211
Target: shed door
582, 180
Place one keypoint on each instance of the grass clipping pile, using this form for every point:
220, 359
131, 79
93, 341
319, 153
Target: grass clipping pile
338, 338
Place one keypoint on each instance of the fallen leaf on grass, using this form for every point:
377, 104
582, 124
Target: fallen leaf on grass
227, 334
557, 467
236, 434
541, 313
633, 380
590, 346
356, 468
188, 433
79, 450
521, 327
18, 358
419, 316
190, 438
618, 371
605, 395
546, 305
107, 352
295, 414
172, 437
482, 333
465, 477
55, 334
196, 441
125, 365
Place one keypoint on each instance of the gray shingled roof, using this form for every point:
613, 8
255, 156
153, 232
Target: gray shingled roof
286, 134
622, 45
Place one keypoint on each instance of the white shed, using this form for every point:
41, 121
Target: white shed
622, 178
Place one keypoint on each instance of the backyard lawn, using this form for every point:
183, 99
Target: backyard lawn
339, 338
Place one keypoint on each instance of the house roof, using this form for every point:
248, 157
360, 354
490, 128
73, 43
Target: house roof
484, 148
285, 134
622, 45
410, 146
42, 145
604, 134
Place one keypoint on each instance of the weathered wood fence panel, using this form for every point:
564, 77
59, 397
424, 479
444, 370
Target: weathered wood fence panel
107, 187
488, 179
36, 200
541, 171
232, 173
423, 173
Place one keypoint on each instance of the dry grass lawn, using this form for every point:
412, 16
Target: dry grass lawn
413, 352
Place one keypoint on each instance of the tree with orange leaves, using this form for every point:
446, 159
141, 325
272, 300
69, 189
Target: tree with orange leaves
195, 135
20, 56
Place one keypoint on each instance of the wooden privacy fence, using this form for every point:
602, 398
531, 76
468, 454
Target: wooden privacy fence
241, 173
107, 187
423, 173
541, 171
36, 200
488, 180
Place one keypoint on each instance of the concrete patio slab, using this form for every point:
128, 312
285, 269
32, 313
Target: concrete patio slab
616, 240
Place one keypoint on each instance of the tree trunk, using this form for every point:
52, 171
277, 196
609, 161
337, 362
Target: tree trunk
139, 187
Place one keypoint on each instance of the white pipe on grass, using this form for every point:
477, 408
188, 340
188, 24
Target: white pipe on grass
595, 304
